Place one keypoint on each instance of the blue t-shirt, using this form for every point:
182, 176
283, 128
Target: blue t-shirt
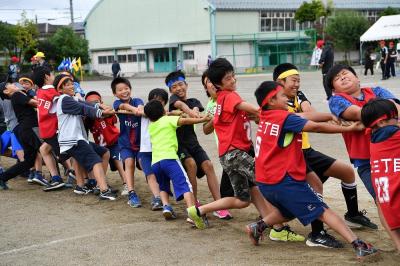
383, 133
129, 137
293, 124
338, 104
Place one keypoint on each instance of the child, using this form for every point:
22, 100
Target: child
27, 83
164, 158
129, 138
233, 130
106, 134
193, 156
46, 93
24, 107
280, 168
73, 139
320, 166
347, 102
382, 117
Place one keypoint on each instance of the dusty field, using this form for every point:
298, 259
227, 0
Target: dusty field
61, 228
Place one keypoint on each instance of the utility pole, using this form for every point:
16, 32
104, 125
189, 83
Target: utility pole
71, 10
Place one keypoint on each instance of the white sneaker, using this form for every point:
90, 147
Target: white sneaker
124, 190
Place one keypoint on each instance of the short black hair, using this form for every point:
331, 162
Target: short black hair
39, 75
157, 92
377, 108
333, 72
92, 93
203, 77
119, 80
154, 110
262, 91
58, 78
174, 75
279, 69
217, 71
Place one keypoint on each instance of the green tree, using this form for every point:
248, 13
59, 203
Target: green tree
66, 43
7, 38
345, 29
389, 11
26, 34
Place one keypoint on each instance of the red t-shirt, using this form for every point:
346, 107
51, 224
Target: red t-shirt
104, 131
273, 162
231, 125
385, 175
47, 121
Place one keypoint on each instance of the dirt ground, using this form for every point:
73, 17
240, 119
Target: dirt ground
61, 228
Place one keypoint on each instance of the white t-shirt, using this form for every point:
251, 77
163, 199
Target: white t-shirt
145, 144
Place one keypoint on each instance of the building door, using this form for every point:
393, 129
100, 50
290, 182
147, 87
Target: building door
164, 60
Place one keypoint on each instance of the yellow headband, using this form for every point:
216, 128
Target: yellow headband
25, 79
288, 73
62, 80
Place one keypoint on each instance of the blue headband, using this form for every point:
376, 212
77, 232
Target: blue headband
172, 81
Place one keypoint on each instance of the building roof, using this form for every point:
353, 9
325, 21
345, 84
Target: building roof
294, 4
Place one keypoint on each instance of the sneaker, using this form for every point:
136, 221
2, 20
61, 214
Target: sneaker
3, 184
39, 179
95, 190
197, 219
56, 182
363, 249
254, 233
168, 212
124, 190
81, 190
31, 176
156, 204
285, 234
108, 195
323, 239
133, 200
359, 220
223, 214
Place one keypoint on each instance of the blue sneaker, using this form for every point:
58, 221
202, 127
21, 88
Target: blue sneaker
133, 200
3, 184
156, 204
168, 212
39, 179
81, 190
31, 176
56, 182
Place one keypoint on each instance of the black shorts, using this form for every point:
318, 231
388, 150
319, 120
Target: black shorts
55, 146
318, 162
87, 154
197, 153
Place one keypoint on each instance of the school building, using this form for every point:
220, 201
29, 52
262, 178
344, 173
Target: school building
158, 35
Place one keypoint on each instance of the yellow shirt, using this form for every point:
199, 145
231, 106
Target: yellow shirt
295, 107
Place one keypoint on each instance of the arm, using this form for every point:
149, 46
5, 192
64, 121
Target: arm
185, 108
248, 107
33, 102
138, 111
317, 116
208, 127
70, 106
311, 126
191, 121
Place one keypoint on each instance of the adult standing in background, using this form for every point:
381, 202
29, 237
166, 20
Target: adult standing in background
392, 56
116, 69
34, 63
316, 55
13, 69
384, 60
40, 60
326, 63
369, 60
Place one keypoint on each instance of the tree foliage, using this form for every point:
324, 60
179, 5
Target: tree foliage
345, 29
311, 11
65, 43
389, 11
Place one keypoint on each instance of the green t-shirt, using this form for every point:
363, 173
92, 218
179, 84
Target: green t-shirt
163, 138
210, 110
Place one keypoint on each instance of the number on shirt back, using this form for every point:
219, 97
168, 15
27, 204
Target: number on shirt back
258, 144
382, 186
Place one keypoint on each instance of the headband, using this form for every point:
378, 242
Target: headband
270, 95
381, 118
93, 97
62, 80
25, 79
172, 81
288, 73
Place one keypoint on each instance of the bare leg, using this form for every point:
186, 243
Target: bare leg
48, 158
80, 174
38, 162
153, 185
164, 197
98, 173
212, 179
105, 158
394, 234
189, 199
191, 170
129, 172
20, 155
223, 204
335, 222
121, 171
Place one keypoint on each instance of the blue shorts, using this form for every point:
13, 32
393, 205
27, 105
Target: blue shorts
87, 154
172, 170
115, 152
127, 153
8, 138
145, 162
294, 199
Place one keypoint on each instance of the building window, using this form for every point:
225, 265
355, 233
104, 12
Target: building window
132, 58
279, 21
110, 59
188, 55
102, 59
122, 58
142, 57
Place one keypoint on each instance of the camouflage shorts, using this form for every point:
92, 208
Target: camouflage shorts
239, 166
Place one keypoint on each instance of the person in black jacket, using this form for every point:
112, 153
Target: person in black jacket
369, 61
116, 69
326, 63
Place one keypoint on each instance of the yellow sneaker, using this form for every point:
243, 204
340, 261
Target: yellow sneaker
198, 220
285, 234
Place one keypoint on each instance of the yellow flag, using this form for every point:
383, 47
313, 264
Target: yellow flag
79, 63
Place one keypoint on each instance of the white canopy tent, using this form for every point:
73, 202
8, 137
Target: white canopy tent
385, 28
